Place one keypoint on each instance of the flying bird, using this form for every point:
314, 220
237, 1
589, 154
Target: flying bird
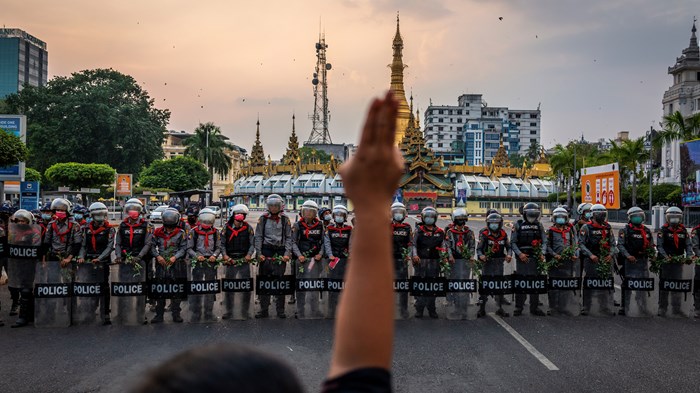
500, 18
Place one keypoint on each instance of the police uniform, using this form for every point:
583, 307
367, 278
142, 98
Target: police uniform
97, 243
132, 240
337, 245
459, 239
170, 243
560, 238
308, 241
590, 239
497, 245
426, 244
273, 238
672, 241
203, 242
236, 243
402, 244
524, 238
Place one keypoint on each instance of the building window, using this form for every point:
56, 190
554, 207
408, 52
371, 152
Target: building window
459, 120
533, 115
517, 124
517, 115
484, 205
440, 120
698, 76
439, 144
670, 109
533, 124
533, 140
440, 128
440, 136
533, 132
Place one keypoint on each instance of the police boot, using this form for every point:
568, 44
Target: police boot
433, 314
23, 319
262, 314
158, 318
517, 312
502, 313
14, 307
482, 310
537, 312
419, 312
176, 317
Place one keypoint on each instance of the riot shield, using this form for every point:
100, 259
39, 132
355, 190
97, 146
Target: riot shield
401, 288
598, 289
89, 294
675, 290
564, 287
168, 287
494, 284
528, 286
426, 286
52, 295
460, 289
23, 244
310, 285
237, 287
203, 293
335, 283
639, 290
128, 293
273, 285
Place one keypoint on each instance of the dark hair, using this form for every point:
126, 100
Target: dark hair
220, 368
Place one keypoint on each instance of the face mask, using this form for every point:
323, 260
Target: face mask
78, 216
459, 223
339, 219
560, 220
88, 220
398, 217
46, 217
239, 217
493, 227
205, 226
429, 221
133, 214
636, 220
327, 217
61, 215
588, 215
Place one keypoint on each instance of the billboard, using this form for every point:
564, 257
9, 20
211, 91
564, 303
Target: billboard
123, 187
29, 195
601, 184
690, 173
16, 125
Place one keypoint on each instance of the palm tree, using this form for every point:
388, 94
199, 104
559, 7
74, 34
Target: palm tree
677, 127
562, 162
209, 146
633, 152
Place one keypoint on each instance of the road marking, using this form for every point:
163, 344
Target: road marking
618, 287
537, 354
290, 349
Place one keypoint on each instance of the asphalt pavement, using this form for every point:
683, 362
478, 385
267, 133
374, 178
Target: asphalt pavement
516, 354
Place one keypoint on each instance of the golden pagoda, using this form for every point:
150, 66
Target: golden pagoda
397, 88
257, 155
291, 156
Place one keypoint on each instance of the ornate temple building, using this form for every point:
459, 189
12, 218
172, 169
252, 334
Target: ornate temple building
427, 180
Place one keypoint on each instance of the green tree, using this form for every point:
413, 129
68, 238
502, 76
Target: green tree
78, 175
209, 146
93, 116
516, 160
309, 155
533, 152
678, 128
31, 174
12, 149
179, 174
628, 154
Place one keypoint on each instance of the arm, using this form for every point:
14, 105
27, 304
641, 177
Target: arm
482, 244
217, 243
549, 250
327, 245
695, 242
508, 247
107, 253
191, 244
448, 243
660, 244
688, 246
155, 247
295, 241
181, 247
414, 244
251, 249
545, 239
288, 237
586, 253
118, 243
613, 243
77, 240
147, 243
83, 248
258, 241
622, 243
471, 242
364, 336
514, 240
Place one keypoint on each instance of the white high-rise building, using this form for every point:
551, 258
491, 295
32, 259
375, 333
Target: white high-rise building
471, 131
683, 96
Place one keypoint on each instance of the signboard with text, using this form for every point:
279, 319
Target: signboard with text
601, 184
123, 187
29, 195
15, 125
690, 173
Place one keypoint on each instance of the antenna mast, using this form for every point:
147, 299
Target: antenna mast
320, 117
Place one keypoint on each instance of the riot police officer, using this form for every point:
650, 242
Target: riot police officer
695, 241
237, 242
21, 271
204, 246
527, 236
169, 247
461, 243
428, 240
96, 251
80, 213
134, 234
584, 215
308, 237
5, 214
633, 241
560, 237
337, 245
595, 239
402, 250
493, 249
672, 240
326, 216
273, 246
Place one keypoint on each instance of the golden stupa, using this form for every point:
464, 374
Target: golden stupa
397, 67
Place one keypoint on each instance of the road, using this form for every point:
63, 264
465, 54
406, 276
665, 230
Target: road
523, 354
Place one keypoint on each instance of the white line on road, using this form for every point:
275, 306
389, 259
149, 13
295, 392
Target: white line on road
537, 354
618, 287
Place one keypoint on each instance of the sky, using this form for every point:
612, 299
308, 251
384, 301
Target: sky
595, 67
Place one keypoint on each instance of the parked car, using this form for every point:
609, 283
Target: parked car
156, 214
216, 209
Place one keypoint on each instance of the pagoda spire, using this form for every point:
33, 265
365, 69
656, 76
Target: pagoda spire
397, 66
693, 38
291, 156
257, 155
